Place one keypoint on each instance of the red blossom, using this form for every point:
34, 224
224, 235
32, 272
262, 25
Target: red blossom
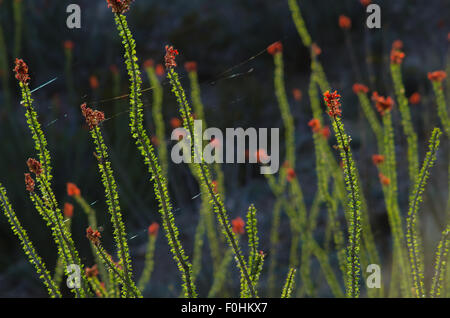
119, 6
93, 117
159, 70
155, 140
315, 49
360, 88
297, 93
345, 22
68, 45
175, 122
190, 66
215, 142
153, 229
275, 48
21, 70
415, 98
93, 236
397, 56
397, 45
34, 166
377, 159
93, 82
238, 225
382, 104
437, 76
169, 59
91, 271
326, 133
215, 185
365, 2
29, 182
68, 210
290, 174
148, 63
73, 190
384, 180
261, 156
315, 125
332, 101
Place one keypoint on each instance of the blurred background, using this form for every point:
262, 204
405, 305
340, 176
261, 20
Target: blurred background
228, 40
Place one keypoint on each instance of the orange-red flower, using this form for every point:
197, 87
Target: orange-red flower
93, 82
360, 88
190, 66
119, 6
93, 236
397, 56
290, 174
73, 190
169, 58
215, 142
91, 271
315, 125
159, 70
384, 180
437, 76
332, 101
153, 229
315, 49
34, 166
68, 210
326, 133
68, 45
261, 156
93, 117
21, 69
397, 45
275, 48
215, 186
382, 104
175, 122
238, 225
377, 159
365, 2
29, 182
297, 93
148, 63
155, 140
415, 98
345, 22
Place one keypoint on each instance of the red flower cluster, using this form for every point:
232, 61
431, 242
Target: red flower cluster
171, 53
315, 49
397, 56
93, 82
297, 93
153, 229
68, 45
384, 180
437, 76
360, 88
397, 45
148, 63
93, 236
91, 271
345, 22
332, 101
21, 70
29, 182
377, 159
119, 6
382, 104
159, 70
275, 48
365, 2
175, 122
68, 210
415, 98
34, 166
238, 225
93, 117
315, 125
73, 190
190, 66
261, 155
326, 133
291, 175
